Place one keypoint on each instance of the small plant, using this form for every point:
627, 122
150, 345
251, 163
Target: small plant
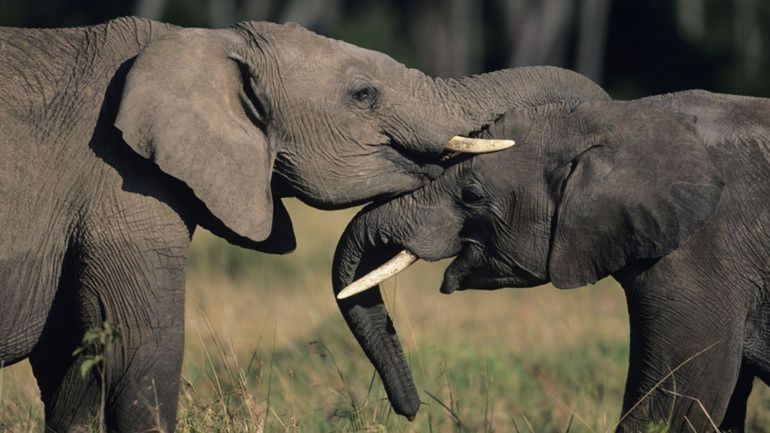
657, 427
94, 346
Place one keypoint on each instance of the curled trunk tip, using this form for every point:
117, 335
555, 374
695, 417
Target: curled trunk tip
358, 252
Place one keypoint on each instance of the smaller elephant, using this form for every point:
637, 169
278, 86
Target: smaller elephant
668, 194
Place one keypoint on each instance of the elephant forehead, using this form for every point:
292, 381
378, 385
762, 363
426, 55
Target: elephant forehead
307, 54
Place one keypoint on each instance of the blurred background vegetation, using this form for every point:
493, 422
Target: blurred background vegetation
632, 48
266, 349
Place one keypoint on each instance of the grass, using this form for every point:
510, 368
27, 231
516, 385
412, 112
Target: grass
267, 351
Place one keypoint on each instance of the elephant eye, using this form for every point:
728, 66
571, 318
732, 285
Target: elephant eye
473, 194
365, 97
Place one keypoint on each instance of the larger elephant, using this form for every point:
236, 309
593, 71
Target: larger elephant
119, 139
667, 194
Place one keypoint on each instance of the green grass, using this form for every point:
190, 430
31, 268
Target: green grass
267, 351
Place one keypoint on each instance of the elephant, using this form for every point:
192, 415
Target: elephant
119, 139
667, 194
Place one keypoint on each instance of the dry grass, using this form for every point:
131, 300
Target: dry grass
267, 350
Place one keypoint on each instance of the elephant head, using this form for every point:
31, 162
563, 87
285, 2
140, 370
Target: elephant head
588, 191
231, 112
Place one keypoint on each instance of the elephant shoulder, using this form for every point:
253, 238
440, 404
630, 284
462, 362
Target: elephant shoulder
719, 115
735, 128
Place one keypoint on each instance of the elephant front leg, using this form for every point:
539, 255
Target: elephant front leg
683, 368
734, 420
71, 401
135, 387
143, 297
144, 381
135, 282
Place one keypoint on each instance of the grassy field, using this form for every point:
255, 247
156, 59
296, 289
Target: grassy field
267, 350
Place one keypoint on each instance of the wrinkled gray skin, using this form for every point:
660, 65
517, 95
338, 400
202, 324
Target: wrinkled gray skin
117, 140
676, 211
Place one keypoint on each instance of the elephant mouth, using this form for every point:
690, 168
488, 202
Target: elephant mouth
466, 272
388, 269
424, 167
469, 272
474, 282
430, 165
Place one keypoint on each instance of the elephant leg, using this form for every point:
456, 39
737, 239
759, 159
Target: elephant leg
130, 273
735, 417
145, 384
140, 387
137, 284
141, 292
71, 402
683, 367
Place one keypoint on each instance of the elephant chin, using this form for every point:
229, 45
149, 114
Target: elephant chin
462, 269
454, 283
460, 276
452, 278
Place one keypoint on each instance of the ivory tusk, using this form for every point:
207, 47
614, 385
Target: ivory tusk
477, 145
401, 261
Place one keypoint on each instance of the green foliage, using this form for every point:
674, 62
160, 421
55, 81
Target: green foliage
378, 27
651, 47
214, 255
468, 387
538, 360
657, 428
188, 13
94, 347
96, 343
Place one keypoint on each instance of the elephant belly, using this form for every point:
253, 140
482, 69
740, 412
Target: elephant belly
27, 288
17, 341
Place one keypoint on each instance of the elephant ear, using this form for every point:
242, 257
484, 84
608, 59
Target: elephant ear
188, 106
638, 191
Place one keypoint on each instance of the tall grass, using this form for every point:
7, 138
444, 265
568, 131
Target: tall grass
267, 351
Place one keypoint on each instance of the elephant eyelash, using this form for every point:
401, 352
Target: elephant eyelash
473, 195
365, 97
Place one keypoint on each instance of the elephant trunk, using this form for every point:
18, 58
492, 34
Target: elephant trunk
484, 98
358, 252
421, 222
469, 105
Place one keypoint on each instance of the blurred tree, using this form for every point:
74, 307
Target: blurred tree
446, 36
152, 9
592, 33
660, 46
557, 32
320, 15
59, 13
543, 32
632, 48
222, 13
